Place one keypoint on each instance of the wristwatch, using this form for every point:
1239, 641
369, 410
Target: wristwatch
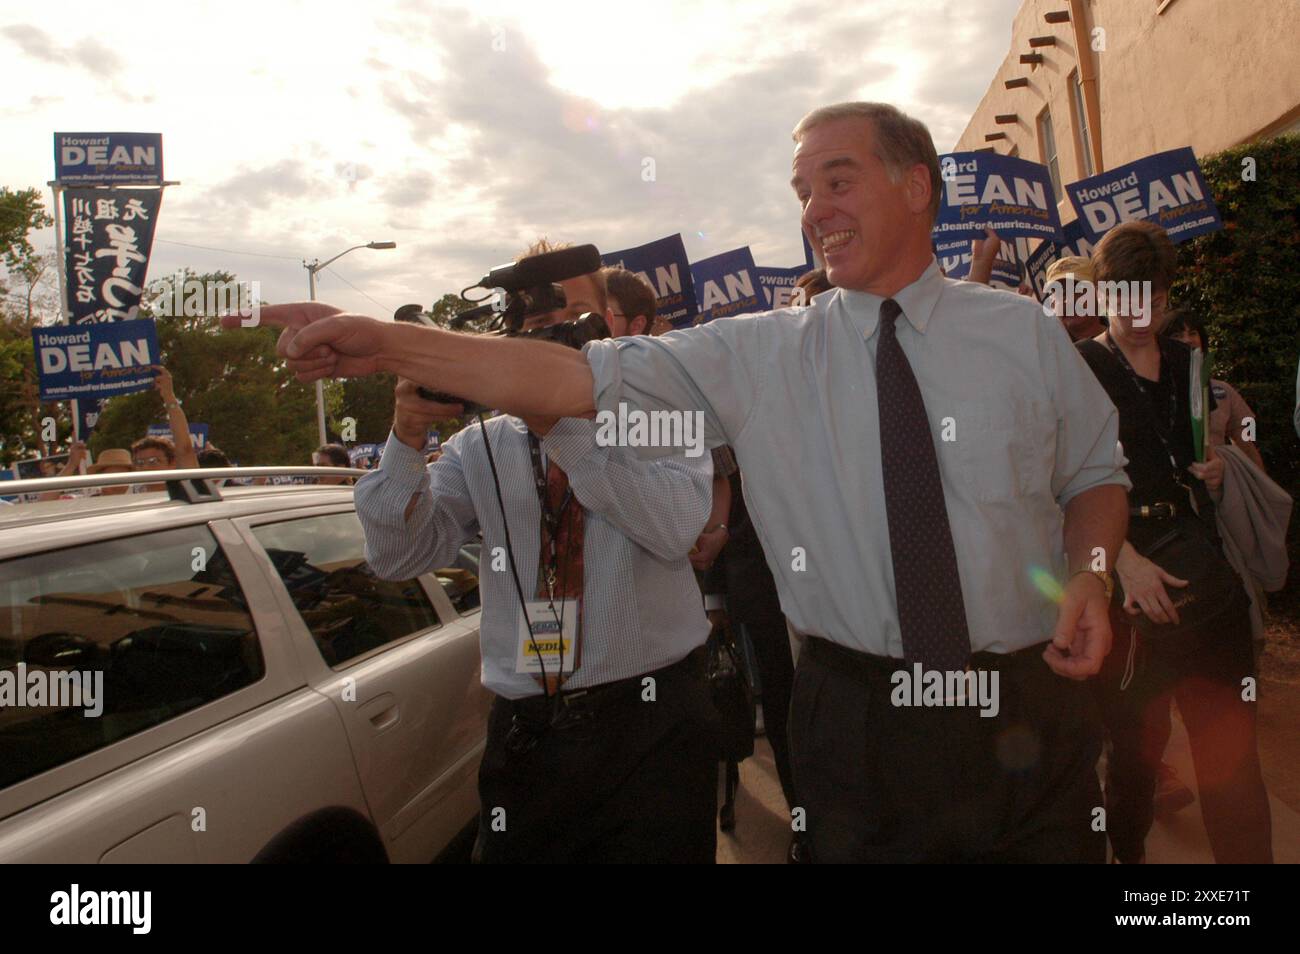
1107, 580
716, 526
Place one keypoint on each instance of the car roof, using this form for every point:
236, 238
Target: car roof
27, 528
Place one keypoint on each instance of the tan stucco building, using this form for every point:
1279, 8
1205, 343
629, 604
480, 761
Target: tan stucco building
1088, 85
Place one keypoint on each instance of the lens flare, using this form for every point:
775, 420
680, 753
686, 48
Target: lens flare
1046, 584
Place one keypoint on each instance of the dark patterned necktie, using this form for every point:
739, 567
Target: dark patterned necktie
568, 540
567, 562
931, 613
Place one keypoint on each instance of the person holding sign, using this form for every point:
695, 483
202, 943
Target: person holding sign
600, 741
1181, 613
920, 455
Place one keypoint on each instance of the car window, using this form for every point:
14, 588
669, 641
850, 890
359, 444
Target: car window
349, 610
104, 640
460, 580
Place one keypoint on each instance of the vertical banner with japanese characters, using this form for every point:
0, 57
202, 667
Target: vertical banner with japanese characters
109, 237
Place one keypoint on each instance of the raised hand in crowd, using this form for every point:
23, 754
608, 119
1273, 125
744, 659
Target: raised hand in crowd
186, 456
983, 252
76, 454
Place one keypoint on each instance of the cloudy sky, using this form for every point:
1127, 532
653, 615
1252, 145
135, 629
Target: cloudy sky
462, 131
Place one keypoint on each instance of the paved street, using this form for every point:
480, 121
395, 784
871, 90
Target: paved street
762, 830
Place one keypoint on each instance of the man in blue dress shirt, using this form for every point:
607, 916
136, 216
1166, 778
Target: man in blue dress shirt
935, 476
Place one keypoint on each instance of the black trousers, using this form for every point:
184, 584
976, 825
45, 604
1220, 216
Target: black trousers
1204, 674
886, 783
759, 611
617, 780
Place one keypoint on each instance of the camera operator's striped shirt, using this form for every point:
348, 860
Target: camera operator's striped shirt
642, 608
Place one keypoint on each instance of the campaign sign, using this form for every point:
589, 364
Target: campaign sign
777, 284
198, 434
36, 467
726, 285
1010, 195
85, 417
1167, 189
955, 259
364, 455
108, 158
110, 235
664, 265
95, 360
1038, 261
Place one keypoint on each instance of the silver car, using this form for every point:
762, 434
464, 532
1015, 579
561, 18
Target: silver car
262, 696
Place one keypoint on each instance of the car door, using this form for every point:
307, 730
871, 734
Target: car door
398, 662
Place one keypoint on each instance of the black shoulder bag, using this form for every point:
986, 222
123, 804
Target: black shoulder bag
1186, 550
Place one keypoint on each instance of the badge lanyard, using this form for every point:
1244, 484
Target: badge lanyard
552, 521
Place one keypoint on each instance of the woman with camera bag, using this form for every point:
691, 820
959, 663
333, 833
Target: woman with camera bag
1180, 614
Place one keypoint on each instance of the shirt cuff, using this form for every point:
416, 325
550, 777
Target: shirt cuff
714, 601
403, 465
1120, 480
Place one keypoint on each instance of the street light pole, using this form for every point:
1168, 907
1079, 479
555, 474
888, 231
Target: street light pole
312, 268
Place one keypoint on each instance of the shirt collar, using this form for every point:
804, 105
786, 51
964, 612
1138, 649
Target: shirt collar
918, 301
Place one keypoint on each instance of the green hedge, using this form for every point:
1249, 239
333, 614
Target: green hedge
1245, 282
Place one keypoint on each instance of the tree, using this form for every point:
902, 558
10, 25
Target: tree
20, 213
233, 381
27, 296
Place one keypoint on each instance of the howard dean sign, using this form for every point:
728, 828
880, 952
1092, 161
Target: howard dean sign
108, 158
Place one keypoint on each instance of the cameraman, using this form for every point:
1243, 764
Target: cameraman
614, 762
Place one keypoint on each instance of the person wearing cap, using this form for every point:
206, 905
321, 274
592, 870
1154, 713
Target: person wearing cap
1075, 304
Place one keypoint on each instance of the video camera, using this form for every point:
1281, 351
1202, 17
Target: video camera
523, 289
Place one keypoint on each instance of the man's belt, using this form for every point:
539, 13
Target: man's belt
1155, 511
860, 665
534, 714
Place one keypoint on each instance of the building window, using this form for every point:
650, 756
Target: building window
1081, 119
1047, 148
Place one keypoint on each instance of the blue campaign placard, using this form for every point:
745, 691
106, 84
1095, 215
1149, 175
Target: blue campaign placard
1037, 262
95, 360
1166, 188
726, 285
106, 158
198, 433
1010, 195
663, 263
364, 455
777, 284
955, 259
